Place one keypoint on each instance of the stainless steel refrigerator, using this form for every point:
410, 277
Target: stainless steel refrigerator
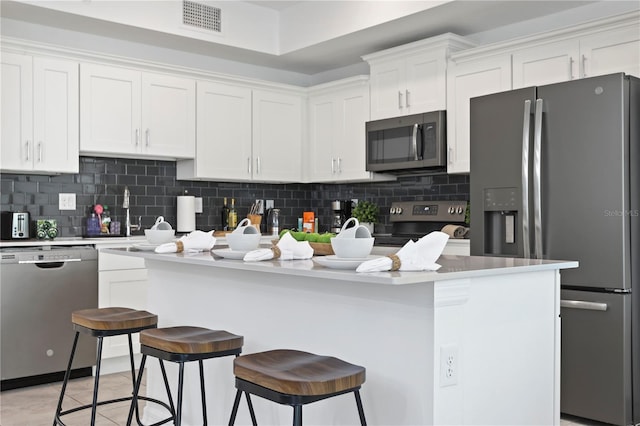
555, 175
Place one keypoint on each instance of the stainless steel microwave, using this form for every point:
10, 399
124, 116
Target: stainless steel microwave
408, 144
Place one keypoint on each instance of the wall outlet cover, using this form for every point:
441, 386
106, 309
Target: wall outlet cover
66, 201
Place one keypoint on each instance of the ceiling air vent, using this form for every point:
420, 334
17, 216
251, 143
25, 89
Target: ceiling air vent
201, 16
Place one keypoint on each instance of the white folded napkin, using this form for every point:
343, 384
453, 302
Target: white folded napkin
286, 249
193, 242
413, 256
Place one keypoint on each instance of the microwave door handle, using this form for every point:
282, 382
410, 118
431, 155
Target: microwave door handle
414, 141
537, 178
525, 179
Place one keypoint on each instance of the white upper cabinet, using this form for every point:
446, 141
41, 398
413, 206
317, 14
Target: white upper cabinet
223, 139
131, 113
336, 150
599, 52
277, 136
39, 114
468, 79
411, 79
245, 134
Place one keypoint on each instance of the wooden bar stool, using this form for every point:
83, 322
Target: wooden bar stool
101, 323
295, 378
184, 344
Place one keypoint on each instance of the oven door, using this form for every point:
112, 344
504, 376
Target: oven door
406, 143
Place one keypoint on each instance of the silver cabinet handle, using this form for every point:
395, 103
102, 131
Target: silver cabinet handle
146, 134
570, 68
414, 141
339, 165
399, 99
137, 136
526, 123
537, 183
333, 166
584, 65
406, 98
581, 304
40, 152
249, 165
28, 150
258, 165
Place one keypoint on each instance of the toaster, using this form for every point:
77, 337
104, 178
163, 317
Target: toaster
15, 225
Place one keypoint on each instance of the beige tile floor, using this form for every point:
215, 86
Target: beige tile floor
36, 405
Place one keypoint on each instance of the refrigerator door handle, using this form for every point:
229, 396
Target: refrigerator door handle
537, 155
525, 179
581, 304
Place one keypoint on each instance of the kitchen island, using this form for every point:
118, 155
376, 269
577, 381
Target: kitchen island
477, 342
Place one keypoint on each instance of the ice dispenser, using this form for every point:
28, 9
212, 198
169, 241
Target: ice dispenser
501, 222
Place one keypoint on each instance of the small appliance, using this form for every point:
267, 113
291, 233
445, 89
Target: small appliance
341, 212
407, 145
15, 225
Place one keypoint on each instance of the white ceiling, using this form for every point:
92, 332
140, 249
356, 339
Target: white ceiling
463, 17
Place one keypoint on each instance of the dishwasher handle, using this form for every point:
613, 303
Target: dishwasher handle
48, 264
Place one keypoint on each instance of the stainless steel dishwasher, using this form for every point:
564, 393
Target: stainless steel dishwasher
39, 288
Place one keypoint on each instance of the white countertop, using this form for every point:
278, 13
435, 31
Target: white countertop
453, 267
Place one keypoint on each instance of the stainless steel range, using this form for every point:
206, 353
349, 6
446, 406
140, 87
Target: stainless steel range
414, 219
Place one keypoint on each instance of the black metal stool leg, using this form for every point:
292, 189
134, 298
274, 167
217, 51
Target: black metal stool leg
251, 412
297, 415
172, 408
67, 374
204, 400
180, 385
94, 404
136, 389
363, 421
234, 410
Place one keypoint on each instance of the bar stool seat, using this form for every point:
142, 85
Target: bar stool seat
100, 323
183, 344
295, 378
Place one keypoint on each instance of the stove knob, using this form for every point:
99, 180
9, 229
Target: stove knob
398, 210
459, 210
392, 210
451, 210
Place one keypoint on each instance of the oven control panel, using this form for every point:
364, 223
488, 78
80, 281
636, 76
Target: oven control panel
428, 211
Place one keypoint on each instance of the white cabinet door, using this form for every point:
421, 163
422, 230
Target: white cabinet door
426, 83
110, 99
467, 80
546, 63
39, 114
17, 116
56, 115
277, 136
223, 140
337, 135
611, 51
350, 147
387, 89
168, 116
323, 132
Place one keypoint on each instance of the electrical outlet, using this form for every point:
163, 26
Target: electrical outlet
261, 204
449, 365
268, 204
66, 201
354, 201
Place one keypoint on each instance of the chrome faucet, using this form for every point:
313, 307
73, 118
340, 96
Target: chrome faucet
127, 224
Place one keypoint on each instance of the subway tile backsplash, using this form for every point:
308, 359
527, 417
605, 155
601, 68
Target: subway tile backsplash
154, 189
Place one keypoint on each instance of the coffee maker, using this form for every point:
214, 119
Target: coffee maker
341, 212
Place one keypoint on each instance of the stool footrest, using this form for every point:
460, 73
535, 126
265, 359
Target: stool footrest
113, 401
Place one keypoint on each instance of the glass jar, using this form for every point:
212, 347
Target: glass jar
273, 221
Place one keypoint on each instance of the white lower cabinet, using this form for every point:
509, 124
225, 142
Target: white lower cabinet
122, 282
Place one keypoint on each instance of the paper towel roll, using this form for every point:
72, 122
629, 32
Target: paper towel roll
186, 213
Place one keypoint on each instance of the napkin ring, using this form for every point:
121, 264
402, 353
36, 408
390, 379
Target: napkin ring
276, 251
395, 262
179, 246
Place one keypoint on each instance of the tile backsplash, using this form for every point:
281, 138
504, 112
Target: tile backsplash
154, 189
